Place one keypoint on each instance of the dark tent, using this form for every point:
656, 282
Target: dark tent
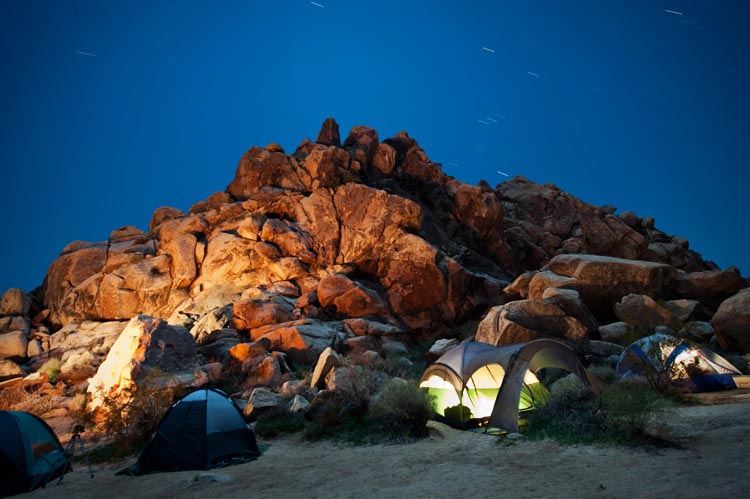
203, 430
685, 364
30, 453
477, 384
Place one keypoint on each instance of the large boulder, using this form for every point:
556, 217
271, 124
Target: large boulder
642, 310
78, 263
526, 320
14, 302
710, 286
260, 168
147, 349
732, 322
252, 314
603, 281
303, 340
350, 298
570, 302
13, 345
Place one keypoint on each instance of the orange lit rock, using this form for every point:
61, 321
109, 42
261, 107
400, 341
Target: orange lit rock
349, 298
252, 314
146, 351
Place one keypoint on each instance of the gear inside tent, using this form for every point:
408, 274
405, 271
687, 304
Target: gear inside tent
30, 453
693, 367
477, 384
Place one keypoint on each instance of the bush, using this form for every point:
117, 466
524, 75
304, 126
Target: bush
622, 413
274, 425
631, 408
133, 417
397, 414
51, 368
24, 398
569, 419
400, 412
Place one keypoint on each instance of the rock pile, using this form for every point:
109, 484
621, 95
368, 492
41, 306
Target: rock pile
353, 247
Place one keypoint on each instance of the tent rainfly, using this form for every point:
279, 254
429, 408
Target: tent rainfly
30, 453
203, 430
696, 368
476, 383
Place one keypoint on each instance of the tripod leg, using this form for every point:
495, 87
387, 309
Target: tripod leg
85, 457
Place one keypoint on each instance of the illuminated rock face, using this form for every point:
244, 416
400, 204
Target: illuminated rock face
335, 242
148, 351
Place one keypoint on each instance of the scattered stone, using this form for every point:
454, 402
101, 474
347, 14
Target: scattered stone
697, 331
327, 360
10, 370
293, 388
615, 332
262, 401
298, 405
439, 348
642, 310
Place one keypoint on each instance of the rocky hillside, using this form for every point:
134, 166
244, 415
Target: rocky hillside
358, 246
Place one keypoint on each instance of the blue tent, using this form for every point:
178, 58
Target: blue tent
203, 430
30, 453
698, 368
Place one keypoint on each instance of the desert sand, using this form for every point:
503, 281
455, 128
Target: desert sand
713, 462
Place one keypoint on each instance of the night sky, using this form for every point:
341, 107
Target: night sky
111, 109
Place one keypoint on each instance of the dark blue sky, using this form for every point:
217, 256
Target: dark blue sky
633, 106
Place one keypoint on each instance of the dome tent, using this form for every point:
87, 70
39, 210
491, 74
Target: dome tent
203, 430
476, 383
696, 368
30, 453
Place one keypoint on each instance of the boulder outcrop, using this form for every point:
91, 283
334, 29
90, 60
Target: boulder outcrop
732, 322
148, 352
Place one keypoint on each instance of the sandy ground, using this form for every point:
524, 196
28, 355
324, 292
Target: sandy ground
713, 463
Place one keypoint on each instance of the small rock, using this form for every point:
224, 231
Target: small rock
298, 405
262, 401
615, 332
328, 360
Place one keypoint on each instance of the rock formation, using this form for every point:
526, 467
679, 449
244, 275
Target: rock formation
355, 246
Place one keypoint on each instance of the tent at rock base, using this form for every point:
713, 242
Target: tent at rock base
203, 430
688, 366
477, 384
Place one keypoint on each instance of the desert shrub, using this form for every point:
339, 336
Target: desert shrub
568, 419
51, 368
622, 413
631, 408
24, 398
603, 373
400, 412
335, 415
280, 423
132, 417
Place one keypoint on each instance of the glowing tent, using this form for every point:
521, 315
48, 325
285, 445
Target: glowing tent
698, 369
475, 383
